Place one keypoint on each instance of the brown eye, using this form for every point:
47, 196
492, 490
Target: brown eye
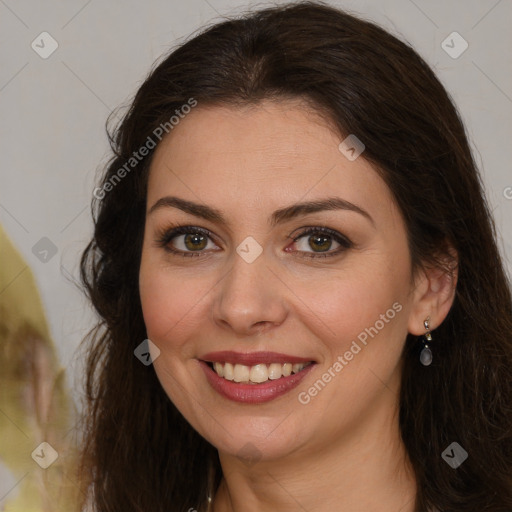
185, 240
195, 242
322, 243
320, 240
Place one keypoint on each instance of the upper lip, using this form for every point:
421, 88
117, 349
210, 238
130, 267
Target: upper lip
252, 358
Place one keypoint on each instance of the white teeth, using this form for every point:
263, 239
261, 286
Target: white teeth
241, 373
287, 369
219, 369
228, 372
274, 371
297, 367
258, 373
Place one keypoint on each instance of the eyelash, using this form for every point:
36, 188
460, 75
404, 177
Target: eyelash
165, 236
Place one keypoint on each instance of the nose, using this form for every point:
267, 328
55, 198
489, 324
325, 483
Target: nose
249, 300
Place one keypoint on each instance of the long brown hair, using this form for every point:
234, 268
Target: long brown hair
139, 453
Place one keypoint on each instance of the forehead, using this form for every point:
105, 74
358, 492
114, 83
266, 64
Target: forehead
259, 156
264, 129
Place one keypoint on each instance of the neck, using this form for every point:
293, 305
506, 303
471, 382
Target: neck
366, 469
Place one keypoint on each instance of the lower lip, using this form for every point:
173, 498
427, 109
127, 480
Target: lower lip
254, 393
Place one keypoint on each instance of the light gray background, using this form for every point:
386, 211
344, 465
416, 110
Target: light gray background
53, 111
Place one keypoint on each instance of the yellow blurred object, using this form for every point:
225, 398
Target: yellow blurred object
34, 403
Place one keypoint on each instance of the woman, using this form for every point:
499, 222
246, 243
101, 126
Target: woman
293, 231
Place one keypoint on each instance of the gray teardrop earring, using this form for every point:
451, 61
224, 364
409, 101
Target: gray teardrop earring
426, 353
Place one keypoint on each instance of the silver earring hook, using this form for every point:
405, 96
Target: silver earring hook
426, 353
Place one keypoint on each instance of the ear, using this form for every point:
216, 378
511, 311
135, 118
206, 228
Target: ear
434, 292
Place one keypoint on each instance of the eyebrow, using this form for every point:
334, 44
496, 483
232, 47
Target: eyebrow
278, 217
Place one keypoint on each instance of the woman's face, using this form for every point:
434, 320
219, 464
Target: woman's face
251, 289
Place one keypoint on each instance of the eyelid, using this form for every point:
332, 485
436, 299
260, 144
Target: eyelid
307, 230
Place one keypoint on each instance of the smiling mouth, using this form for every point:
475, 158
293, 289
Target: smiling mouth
257, 374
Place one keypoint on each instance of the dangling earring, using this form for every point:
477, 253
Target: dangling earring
426, 353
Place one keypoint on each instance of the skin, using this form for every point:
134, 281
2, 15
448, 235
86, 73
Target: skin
344, 444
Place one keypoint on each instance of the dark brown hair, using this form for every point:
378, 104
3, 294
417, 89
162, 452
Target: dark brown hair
139, 453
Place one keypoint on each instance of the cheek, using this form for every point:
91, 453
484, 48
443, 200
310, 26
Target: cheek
351, 303
363, 327
368, 314
167, 300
